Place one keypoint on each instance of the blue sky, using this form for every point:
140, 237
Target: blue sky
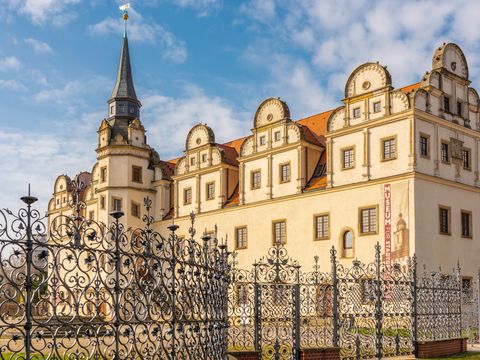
209, 61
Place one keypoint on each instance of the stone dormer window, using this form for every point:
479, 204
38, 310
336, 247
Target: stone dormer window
210, 191
192, 161
377, 107
277, 136
255, 179
459, 108
263, 140
356, 113
204, 158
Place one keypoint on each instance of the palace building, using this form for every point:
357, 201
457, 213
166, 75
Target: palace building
394, 166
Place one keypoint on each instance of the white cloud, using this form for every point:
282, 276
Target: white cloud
40, 12
38, 158
13, 85
144, 30
10, 63
39, 46
335, 36
169, 119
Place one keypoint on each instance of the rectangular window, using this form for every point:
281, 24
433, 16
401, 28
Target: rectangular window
466, 224
187, 196
348, 158
204, 158
137, 174
210, 191
446, 103
241, 237
377, 107
389, 149
285, 173
467, 285
322, 227
255, 179
277, 136
192, 161
103, 174
117, 204
459, 108
424, 146
135, 209
466, 159
445, 153
102, 202
263, 140
91, 215
444, 220
368, 220
279, 232
356, 113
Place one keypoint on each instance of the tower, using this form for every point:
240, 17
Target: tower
125, 168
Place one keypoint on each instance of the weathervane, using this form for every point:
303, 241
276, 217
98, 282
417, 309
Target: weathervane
125, 8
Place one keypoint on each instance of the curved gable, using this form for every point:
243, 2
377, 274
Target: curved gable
270, 111
367, 77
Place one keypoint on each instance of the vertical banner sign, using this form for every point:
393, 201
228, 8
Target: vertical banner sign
387, 195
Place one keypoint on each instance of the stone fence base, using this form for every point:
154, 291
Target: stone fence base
428, 349
305, 354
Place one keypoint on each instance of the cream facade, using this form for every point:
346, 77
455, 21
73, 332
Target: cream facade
312, 183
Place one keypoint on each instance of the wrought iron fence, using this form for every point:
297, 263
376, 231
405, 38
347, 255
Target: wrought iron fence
84, 290
367, 310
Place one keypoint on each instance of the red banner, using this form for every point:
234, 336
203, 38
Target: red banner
387, 196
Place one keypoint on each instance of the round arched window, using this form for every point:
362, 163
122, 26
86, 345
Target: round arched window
348, 240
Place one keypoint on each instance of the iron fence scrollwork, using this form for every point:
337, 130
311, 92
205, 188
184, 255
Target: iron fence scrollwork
84, 290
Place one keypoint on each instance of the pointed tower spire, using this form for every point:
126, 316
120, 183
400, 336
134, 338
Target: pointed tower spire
124, 102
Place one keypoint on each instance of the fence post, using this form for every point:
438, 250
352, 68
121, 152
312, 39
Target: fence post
29, 200
414, 289
117, 215
335, 334
460, 297
478, 307
378, 302
256, 309
297, 313
172, 228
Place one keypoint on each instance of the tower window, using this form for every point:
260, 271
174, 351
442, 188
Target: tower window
111, 109
279, 232
103, 174
132, 109
135, 209
102, 202
137, 174
121, 108
117, 204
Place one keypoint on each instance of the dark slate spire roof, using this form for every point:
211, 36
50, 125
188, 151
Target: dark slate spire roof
124, 88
